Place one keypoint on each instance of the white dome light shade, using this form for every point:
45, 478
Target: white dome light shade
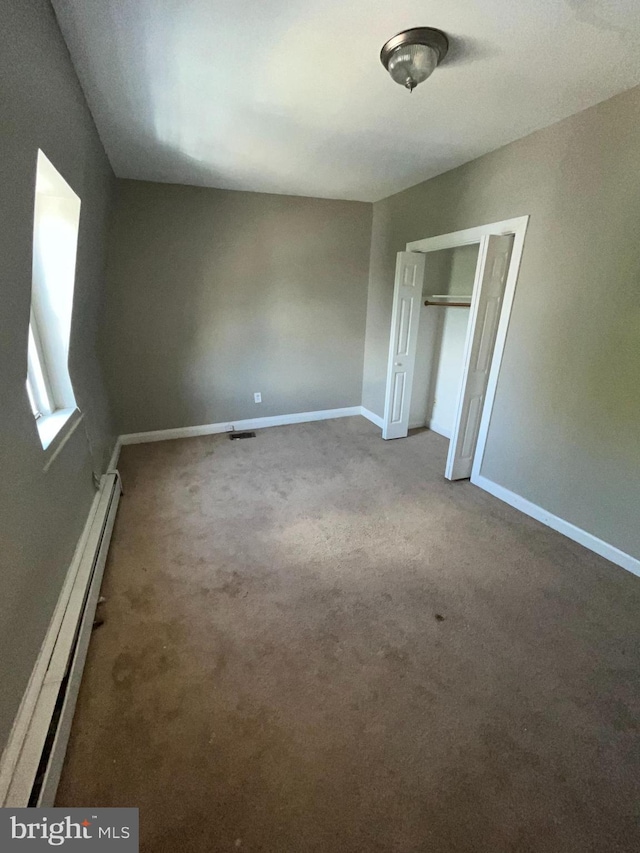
411, 56
411, 64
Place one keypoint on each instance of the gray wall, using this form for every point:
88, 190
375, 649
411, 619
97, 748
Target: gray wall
215, 294
565, 429
42, 514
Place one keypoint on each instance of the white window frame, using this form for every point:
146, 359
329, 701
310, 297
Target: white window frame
48, 384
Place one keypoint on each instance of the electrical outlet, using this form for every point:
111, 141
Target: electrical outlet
257, 397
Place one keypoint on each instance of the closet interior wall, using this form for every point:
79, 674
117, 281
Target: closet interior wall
441, 337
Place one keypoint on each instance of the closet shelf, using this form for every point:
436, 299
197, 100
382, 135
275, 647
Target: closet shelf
445, 296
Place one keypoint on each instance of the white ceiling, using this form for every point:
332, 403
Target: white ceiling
289, 96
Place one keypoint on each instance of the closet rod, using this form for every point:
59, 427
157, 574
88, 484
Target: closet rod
449, 304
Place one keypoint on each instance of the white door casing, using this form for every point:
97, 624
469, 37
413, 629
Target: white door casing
405, 317
486, 303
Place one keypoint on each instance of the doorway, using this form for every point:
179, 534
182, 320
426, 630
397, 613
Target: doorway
443, 371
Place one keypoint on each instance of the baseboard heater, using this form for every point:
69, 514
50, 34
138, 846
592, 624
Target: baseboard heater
32, 761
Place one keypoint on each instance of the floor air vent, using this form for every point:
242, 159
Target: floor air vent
233, 435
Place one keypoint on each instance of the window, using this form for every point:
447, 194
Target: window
55, 239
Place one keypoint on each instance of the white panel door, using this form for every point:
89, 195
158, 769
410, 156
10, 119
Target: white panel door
405, 318
488, 291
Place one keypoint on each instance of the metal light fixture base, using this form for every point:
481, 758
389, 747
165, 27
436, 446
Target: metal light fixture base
418, 35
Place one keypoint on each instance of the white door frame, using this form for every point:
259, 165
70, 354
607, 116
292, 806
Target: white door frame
517, 227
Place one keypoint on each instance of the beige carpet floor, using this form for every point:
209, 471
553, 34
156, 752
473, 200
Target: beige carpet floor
313, 642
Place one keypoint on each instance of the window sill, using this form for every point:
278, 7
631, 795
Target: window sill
55, 430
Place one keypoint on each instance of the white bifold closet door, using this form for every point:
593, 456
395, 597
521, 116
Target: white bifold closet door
488, 293
405, 318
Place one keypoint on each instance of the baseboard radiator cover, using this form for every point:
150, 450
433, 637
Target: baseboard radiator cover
32, 760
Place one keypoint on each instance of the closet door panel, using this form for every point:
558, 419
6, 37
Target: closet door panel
488, 292
405, 320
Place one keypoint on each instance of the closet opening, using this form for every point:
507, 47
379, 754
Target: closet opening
444, 320
451, 307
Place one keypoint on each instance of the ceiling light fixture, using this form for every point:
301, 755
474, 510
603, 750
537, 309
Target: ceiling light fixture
412, 55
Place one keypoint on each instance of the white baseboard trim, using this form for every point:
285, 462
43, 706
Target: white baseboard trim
371, 416
76, 603
604, 549
434, 426
229, 426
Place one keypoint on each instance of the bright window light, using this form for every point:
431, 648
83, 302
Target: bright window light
37, 386
55, 239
